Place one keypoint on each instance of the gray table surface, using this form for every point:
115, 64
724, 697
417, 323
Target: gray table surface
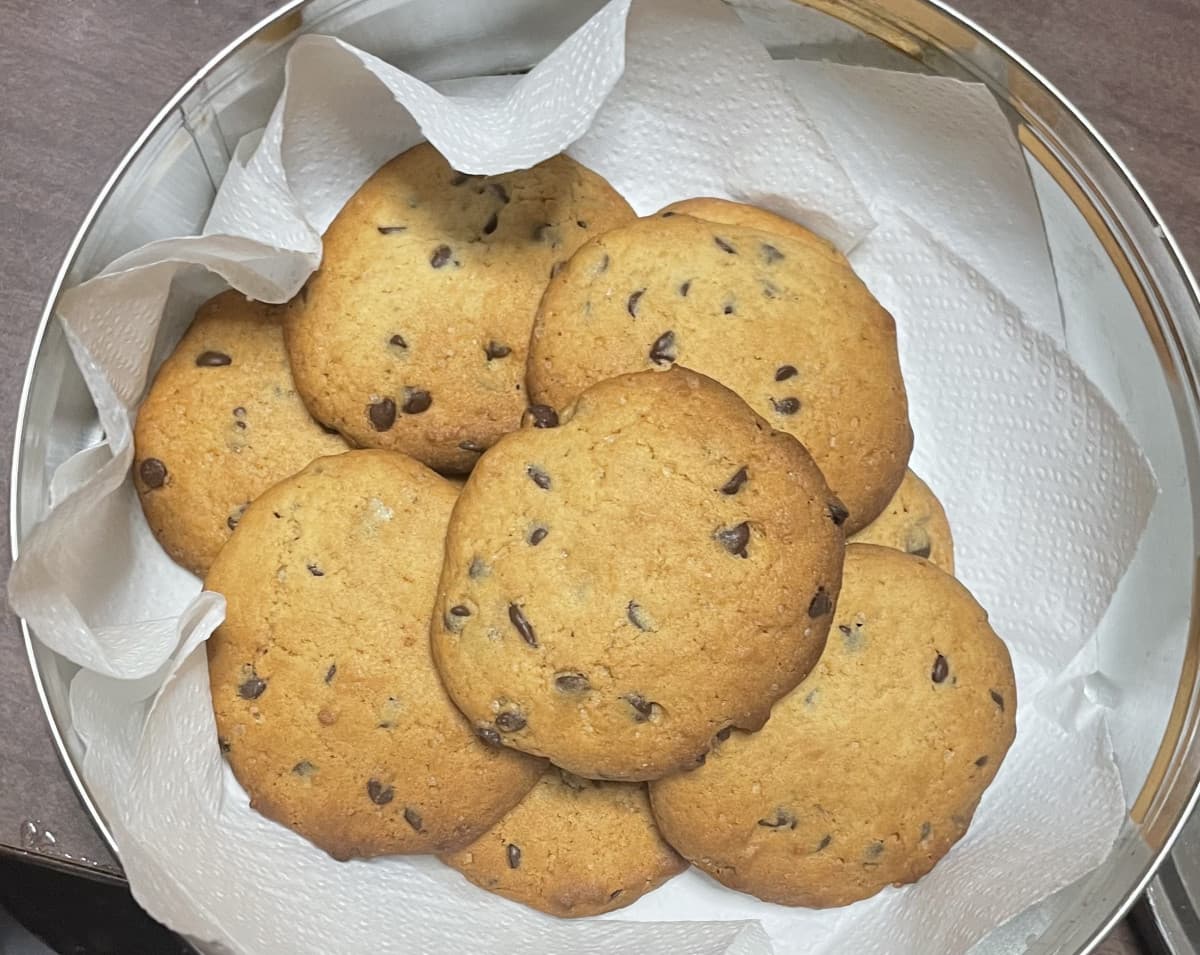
79, 80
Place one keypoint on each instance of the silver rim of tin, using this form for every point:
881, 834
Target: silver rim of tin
909, 25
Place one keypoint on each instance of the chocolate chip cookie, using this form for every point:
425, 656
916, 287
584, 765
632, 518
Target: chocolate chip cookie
413, 335
871, 769
221, 423
618, 589
914, 522
326, 698
572, 847
782, 321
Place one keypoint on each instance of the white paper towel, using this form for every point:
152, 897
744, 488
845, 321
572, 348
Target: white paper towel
1046, 491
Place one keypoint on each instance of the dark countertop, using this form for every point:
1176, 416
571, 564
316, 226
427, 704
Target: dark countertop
81, 79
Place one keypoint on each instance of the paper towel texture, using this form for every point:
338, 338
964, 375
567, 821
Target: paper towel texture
919, 178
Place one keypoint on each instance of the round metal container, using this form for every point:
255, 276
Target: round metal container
1131, 308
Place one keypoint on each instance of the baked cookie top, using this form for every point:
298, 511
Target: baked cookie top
784, 322
220, 424
913, 522
572, 847
620, 588
870, 770
414, 332
326, 698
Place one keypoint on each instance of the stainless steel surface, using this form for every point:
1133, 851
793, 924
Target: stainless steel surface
226, 104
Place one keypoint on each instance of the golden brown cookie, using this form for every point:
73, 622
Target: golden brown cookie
870, 770
326, 697
220, 424
621, 587
783, 322
413, 334
727, 212
913, 522
572, 847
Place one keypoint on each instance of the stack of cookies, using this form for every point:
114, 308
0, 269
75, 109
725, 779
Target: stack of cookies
575, 547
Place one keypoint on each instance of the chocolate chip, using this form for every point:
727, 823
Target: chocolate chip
981, 762
304, 768
440, 257
212, 359
771, 254
495, 350
382, 414
631, 304
239, 412
734, 484
662, 352
874, 850
510, 721
782, 819
413, 818
235, 516
331, 673
997, 699
473, 446
917, 542
537, 535
784, 372
785, 405
571, 682
821, 604
724, 246
398, 341
478, 568
153, 473
416, 400
517, 618
488, 735
724, 733
926, 831
837, 512
498, 190
643, 709
514, 855
582, 223
460, 178
490, 226
458, 610
223, 744
941, 669
729, 308
638, 617
539, 477
824, 843
547, 233
541, 416
391, 229
380, 794
315, 570
252, 687
685, 288
734, 539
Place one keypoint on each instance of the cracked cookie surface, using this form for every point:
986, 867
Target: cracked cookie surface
327, 702
621, 587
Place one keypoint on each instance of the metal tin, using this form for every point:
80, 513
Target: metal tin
1131, 307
